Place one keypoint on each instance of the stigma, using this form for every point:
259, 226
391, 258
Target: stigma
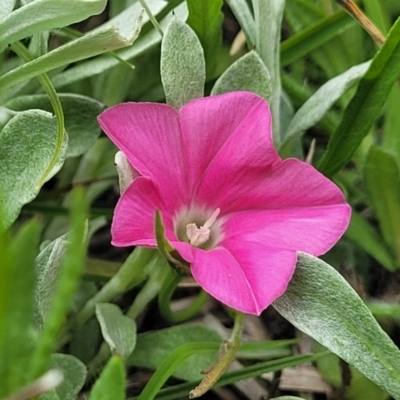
198, 236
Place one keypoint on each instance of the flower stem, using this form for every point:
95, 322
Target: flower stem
164, 301
229, 350
19, 49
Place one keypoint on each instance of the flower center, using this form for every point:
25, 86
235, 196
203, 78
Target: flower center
198, 236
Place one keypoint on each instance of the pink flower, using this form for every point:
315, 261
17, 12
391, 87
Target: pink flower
231, 207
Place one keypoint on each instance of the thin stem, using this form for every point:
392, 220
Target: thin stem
229, 351
151, 17
19, 49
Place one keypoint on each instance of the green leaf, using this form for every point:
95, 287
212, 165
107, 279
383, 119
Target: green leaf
382, 180
80, 113
365, 106
41, 15
247, 73
205, 18
118, 330
17, 282
103, 39
182, 64
48, 264
364, 235
322, 304
74, 372
312, 111
314, 36
111, 383
152, 348
27, 145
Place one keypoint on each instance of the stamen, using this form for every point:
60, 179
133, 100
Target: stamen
198, 236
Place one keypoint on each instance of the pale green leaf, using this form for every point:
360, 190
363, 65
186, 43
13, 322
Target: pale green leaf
27, 145
312, 111
74, 372
322, 304
247, 73
80, 114
41, 15
118, 330
52, 395
183, 71
287, 398
361, 388
268, 18
48, 264
6, 7
93, 67
66, 286
111, 383
103, 39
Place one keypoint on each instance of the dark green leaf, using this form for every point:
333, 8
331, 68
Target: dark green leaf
365, 106
17, 282
205, 18
364, 235
314, 36
382, 180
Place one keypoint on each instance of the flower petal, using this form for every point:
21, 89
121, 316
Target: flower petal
287, 184
312, 230
149, 135
245, 276
234, 128
133, 222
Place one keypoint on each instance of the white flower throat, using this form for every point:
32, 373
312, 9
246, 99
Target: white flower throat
198, 236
